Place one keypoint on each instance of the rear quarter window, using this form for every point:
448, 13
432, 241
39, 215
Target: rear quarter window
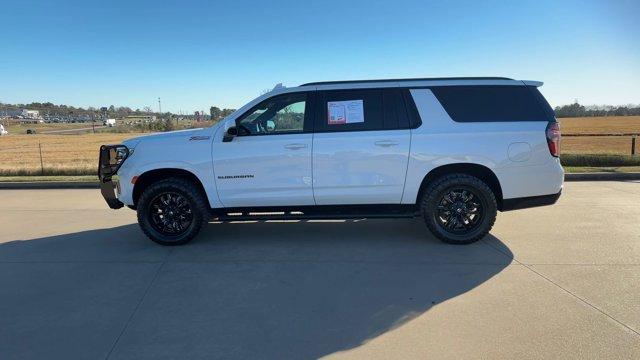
491, 103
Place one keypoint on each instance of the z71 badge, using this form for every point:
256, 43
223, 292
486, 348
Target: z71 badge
195, 138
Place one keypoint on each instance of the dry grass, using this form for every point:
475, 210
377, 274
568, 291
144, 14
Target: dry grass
599, 125
64, 154
61, 154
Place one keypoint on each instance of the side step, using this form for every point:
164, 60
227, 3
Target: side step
316, 212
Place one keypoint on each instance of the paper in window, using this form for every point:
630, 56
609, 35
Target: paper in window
345, 112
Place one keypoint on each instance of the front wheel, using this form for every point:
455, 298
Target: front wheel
171, 211
459, 208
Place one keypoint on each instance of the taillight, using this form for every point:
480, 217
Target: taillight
553, 138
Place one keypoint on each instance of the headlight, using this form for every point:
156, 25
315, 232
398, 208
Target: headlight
111, 157
121, 153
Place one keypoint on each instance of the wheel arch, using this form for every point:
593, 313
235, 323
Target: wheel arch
149, 177
480, 171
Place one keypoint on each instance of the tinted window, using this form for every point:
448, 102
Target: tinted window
490, 103
367, 109
551, 115
395, 115
411, 109
282, 114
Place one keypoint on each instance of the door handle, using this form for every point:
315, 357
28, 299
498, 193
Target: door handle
386, 143
295, 146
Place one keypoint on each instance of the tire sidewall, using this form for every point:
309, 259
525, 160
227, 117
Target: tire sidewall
144, 213
482, 191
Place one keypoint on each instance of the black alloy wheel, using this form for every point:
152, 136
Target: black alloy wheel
170, 213
459, 210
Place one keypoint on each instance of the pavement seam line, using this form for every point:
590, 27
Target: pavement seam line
568, 292
583, 300
135, 310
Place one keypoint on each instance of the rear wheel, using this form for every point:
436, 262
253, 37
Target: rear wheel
459, 208
171, 211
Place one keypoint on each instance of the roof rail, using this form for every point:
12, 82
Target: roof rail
409, 79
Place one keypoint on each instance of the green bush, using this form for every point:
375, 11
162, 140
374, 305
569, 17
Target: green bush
598, 160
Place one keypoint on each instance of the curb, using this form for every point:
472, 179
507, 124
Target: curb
50, 185
599, 176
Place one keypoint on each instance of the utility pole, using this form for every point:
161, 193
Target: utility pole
159, 107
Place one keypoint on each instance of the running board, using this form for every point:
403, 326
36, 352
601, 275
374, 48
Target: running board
316, 212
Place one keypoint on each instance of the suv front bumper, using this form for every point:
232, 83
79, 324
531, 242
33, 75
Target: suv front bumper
110, 160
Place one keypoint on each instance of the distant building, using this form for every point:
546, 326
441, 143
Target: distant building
30, 114
142, 117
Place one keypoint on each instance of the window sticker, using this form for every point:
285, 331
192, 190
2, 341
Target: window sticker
345, 112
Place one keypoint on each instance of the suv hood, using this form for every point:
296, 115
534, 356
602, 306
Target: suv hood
188, 134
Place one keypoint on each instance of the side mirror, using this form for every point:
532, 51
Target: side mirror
230, 134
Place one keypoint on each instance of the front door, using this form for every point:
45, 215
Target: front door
269, 162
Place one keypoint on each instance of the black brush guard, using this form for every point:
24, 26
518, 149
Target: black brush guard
110, 160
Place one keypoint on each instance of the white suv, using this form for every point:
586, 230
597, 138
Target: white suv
451, 150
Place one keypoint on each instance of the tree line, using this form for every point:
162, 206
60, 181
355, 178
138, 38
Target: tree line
577, 110
216, 113
50, 109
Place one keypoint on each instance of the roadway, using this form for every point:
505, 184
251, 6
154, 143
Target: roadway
74, 130
78, 280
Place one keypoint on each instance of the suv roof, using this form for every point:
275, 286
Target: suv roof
405, 79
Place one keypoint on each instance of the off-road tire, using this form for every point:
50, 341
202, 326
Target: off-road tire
441, 186
196, 201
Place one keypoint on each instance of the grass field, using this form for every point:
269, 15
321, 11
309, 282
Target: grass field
599, 125
61, 154
69, 154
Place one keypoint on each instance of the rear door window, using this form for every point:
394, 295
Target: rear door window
361, 110
490, 103
350, 110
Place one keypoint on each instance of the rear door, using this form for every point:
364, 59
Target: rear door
360, 147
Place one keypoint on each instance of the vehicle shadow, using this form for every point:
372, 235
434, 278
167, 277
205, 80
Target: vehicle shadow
297, 289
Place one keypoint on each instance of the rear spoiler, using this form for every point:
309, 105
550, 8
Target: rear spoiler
532, 83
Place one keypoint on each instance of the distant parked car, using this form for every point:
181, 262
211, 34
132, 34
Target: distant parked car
31, 131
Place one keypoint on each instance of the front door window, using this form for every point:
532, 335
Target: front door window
282, 114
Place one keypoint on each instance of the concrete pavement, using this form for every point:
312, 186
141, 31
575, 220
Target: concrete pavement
78, 280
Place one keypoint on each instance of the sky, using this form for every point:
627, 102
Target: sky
195, 54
